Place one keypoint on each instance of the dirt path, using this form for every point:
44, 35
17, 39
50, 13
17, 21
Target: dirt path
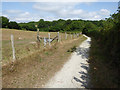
74, 72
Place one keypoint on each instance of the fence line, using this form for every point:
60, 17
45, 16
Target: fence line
48, 40
44, 40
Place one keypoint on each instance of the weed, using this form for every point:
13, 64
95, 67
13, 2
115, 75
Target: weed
42, 68
40, 60
72, 49
46, 53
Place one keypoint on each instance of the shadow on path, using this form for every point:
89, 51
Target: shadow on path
83, 79
83, 52
83, 76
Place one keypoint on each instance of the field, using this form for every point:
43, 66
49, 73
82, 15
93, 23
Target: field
33, 66
24, 42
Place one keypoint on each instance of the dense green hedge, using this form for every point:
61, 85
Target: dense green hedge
105, 53
108, 37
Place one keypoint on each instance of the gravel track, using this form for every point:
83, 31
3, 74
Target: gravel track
73, 74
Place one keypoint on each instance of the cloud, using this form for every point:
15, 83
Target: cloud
55, 11
65, 10
25, 14
5, 15
16, 13
104, 12
26, 17
51, 0
20, 16
53, 7
60, 0
13, 11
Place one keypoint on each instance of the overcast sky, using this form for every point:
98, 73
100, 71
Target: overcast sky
33, 11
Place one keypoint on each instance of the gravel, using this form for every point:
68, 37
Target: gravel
73, 74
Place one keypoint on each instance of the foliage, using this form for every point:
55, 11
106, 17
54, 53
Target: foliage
4, 21
107, 40
13, 25
72, 49
28, 26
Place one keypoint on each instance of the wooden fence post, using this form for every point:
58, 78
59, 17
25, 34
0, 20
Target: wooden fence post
44, 41
38, 31
65, 35
71, 36
49, 39
58, 37
77, 35
13, 48
38, 35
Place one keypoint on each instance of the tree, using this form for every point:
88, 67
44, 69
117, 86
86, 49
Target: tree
31, 27
13, 25
84, 31
41, 23
24, 26
4, 21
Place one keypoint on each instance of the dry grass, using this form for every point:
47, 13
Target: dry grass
36, 68
25, 43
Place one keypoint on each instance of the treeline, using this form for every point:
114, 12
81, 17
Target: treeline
4, 21
105, 52
54, 26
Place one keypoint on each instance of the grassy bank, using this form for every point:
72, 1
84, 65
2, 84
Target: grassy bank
102, 73
35, 69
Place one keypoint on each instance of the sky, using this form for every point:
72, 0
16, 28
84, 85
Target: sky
34, 11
